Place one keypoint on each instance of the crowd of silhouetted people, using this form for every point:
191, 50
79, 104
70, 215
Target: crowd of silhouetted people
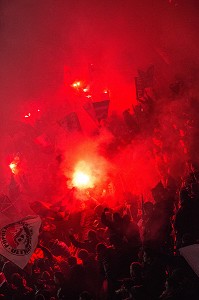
106, 253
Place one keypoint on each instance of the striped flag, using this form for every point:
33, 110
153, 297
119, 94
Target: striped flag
147, 77
139, 85
70, 122
88, 106
101, 109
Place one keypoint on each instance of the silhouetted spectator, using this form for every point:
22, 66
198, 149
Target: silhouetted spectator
20, 290
5, 288
62, 286
85, 296
154, 273
131, 234
186, 219
115, 225
108, 266
89, 244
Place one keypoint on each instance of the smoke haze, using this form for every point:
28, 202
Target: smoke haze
47, 45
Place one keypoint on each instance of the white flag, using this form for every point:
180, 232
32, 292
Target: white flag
191, 255
18, 240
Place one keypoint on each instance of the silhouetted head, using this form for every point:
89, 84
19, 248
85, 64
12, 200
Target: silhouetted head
158, 192
85, 296
126, 219
187, 240
184, 196
171, 284
101, 248
59, 278
135, 269
45, 275
72, 261
148, 255
17, 280
40, 297
83, 254
116, 217
92, 235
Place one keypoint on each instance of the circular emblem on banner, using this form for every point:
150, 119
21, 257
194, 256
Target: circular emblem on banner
16, 238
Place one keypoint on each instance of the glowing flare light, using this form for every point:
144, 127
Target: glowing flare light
13, 167
28, 115
81, 180
76, 84
83, 177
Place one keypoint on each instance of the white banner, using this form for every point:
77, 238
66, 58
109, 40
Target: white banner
191, 255
18, 240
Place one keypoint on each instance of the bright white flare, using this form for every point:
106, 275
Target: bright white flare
14, 165
84, 175
81, 180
